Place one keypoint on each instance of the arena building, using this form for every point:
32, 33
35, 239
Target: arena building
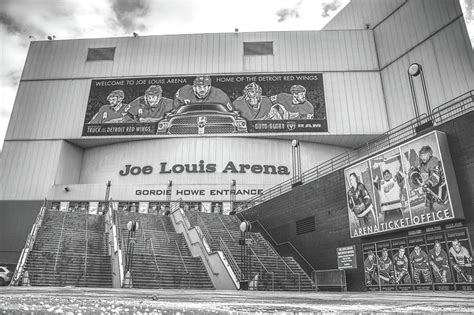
210, 119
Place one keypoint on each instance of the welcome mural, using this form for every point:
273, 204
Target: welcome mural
409, 185
202, 104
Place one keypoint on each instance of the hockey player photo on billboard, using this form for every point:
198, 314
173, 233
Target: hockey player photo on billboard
385, 267
460, 257
427, 187
439, 262
370, 268
401, 265
360, 199
390, 189
284, 102
419, 263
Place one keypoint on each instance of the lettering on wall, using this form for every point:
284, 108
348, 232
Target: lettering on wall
202, 167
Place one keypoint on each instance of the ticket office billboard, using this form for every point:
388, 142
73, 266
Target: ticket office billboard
202, 104
409, 185
438, 261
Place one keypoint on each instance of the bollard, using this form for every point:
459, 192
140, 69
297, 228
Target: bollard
128, 283
25, 280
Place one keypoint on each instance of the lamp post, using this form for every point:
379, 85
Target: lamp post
296, 163
107, 195
415, 70
233, 185
132, 227
245, 257
169, 189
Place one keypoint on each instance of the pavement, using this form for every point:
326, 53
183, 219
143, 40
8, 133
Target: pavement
73, 300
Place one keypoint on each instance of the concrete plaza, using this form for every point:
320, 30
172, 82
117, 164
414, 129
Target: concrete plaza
20, 300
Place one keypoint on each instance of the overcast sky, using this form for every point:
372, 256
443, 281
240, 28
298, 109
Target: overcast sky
67, 19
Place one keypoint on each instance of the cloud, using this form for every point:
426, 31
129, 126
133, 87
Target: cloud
129, 12
468, 10
287, 13
10, 24
330, 6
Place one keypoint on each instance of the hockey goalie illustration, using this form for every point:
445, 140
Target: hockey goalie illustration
426, 177
427, 174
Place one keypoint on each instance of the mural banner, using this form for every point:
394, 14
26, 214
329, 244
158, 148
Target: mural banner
439, 261
406, 186
202, 104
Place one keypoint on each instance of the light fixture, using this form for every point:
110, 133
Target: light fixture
297, 178
66, 189
414, 69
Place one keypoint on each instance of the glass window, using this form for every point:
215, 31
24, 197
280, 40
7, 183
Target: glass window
216, 207
258, 48
96, 54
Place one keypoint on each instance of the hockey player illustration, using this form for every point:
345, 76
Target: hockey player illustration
114, 112
439, 263
150, 107
420, 267
385, 266
461, 261
427, 174
370, 269
400, 261
252, 105
390, 193
201, 92
360, 202
291, 106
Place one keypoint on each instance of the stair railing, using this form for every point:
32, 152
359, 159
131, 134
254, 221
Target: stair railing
262, 265
293, 248
164, 229
30, 241
87, 243
225, 226
59, 243
230, 258
204, 228
184, 264
151, 244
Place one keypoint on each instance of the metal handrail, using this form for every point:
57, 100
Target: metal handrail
181, 256
230, 258
30, 241
59, 243
151, 243
258, 259
164, 228
225, 226
85, 258
440, 114
283, 243
204, 228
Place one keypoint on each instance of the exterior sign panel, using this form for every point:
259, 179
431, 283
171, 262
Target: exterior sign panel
412, 184
193, 105
439, 261
346, 257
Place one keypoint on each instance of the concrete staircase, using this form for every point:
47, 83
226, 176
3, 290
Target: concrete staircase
161, 257
273, 271
70, 250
